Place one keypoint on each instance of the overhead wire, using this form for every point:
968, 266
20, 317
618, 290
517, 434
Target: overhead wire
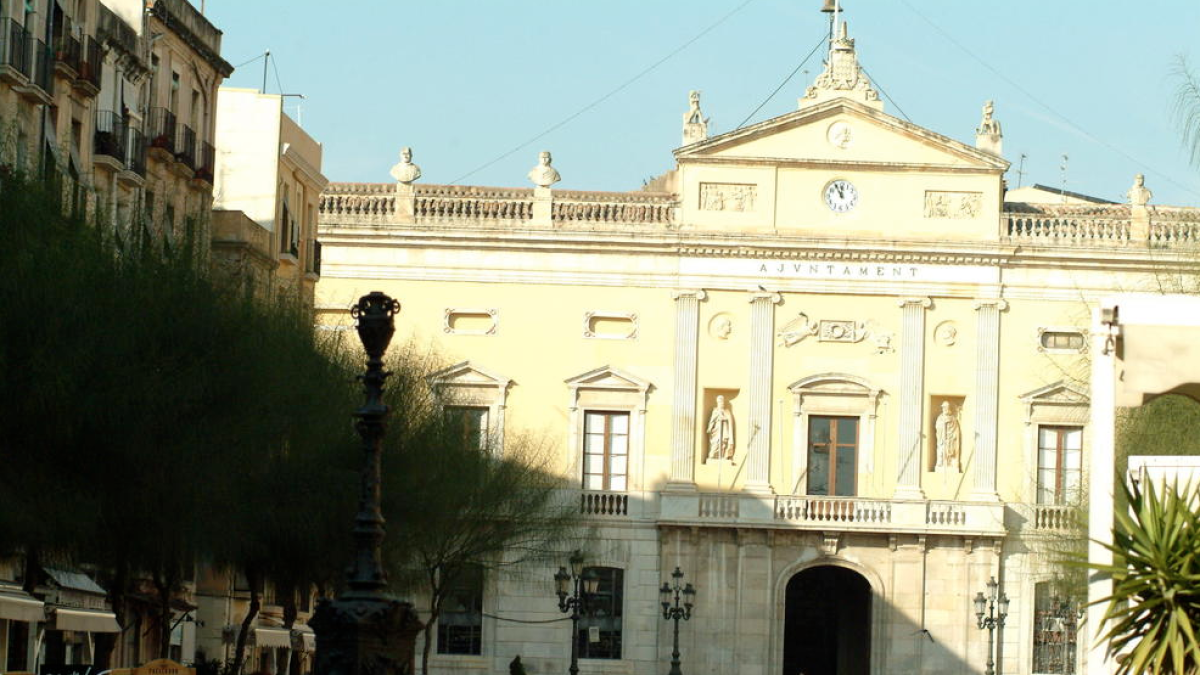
1039, 102
621, 87
784, 83
885, 94
240, 65
277, 82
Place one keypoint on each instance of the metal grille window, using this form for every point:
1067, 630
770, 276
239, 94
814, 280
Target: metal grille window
1060, 452
600, 624
605, 450
460, 623
832, 456
1054, 633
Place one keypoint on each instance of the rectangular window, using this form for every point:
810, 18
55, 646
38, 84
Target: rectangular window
1060, 454
18, 644
460, 624
471, 422
832, 456
1054, 632
600, 624
605, 450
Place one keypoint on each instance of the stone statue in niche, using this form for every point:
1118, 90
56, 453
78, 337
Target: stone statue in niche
948, 435
406, 172
1139, 194
720, 431
544, 175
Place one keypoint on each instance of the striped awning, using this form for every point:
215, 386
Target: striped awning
84, 620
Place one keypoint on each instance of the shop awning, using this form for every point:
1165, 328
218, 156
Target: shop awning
303, 638
17, 605
273, 637
84, 620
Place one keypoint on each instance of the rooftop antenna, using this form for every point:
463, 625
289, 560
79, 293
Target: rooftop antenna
1063, 190
1021, 170
266, 62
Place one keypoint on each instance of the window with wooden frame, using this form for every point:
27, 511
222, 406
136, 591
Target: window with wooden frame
600, 622
1060, 455
460, 623
832, 456
605, 450
471, 421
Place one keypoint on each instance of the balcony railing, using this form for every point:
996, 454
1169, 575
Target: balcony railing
185, 146
110, 137
135, 154
42, 60
597, 503
14, 47
162, 129
68, 51
206, 162
91, 66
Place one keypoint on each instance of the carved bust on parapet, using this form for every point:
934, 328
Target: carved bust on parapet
544, 175
1139, 194
406, 172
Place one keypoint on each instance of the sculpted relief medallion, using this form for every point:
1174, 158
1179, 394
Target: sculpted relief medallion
720, 327
952, 204
839, 135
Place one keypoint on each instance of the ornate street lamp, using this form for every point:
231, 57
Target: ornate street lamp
366, 631
675, 613
573, 598
990, 612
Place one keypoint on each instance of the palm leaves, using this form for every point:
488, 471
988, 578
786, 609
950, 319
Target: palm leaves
1154, 610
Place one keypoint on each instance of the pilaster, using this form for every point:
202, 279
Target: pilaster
987, 386
762, 353
683, 434
912, 395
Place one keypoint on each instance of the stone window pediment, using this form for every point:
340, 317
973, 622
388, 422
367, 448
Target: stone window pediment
832, 395
609, 390
609, 384
468, 385
1058, 403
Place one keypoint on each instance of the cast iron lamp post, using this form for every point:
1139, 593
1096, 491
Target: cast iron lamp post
675, 613
584, 586
990, 613
366, 631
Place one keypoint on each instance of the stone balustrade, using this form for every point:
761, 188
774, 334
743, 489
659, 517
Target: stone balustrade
603, 503
1047, 519
1099, 225
384, 204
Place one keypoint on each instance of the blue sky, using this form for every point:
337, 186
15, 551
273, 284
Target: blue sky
465, 81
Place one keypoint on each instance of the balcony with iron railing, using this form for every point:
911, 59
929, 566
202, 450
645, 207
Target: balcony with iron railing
135, 153
206, 162
162, 130
14, 52
67, 53
91, 67
110, 139
185, 147
40, 71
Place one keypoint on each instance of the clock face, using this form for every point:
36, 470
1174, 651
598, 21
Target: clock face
841, 196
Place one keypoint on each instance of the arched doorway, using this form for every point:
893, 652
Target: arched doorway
827, 623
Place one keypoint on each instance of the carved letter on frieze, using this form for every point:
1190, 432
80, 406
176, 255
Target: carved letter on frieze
952, 204
728, 197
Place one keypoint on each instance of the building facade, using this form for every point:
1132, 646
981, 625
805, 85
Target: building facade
823, 366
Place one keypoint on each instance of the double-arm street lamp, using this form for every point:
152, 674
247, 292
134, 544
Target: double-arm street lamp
990, 612
573, 597
675, 612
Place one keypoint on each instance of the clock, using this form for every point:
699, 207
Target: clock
841, 196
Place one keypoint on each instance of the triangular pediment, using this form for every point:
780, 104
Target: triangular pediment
1059, 393
608, 377
467, 374
840, 132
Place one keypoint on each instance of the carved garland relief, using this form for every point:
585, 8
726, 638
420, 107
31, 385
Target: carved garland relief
728, 197
952, 204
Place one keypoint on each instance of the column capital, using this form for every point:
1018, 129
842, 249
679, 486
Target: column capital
774, 297
681, 293
999, 303
924, 302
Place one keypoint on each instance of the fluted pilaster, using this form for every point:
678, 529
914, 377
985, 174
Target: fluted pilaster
683, 434
762, 352
912, 395
987, 387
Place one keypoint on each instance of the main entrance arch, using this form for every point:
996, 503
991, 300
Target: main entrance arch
827, 623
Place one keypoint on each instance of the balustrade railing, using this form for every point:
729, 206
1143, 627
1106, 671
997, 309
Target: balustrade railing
91, 66
833, 510
441, 202
594, 503
719, 506
612, 207
1053, 230
14, 49
945, 514
135, 156
1053, 518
